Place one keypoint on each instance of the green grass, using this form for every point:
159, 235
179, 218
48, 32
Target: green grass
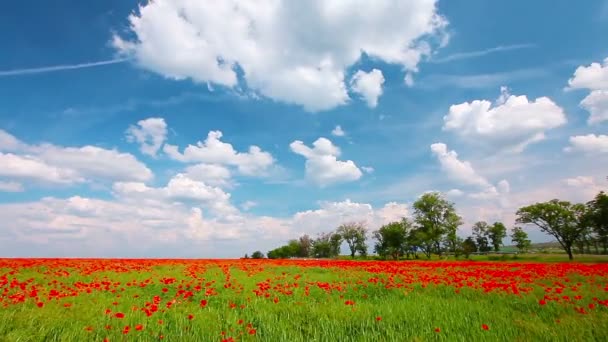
408, 311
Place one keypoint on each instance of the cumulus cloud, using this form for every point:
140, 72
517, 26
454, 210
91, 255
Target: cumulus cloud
332, 214
57, 164
595, 78
464, 173
123, 227
596, 103
338, 131
254, 162
322, 166
461, 171
590, 144
514, 122
294, 52
150, 134
592, 77
180, 188
368, 85
212, 174
32, 168
587, 186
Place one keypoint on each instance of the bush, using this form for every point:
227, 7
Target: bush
257, 255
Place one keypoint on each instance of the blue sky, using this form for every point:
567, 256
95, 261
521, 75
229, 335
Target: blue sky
497, 105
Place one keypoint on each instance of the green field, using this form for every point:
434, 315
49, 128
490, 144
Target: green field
263, 300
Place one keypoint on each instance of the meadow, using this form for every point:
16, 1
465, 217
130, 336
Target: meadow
301, 300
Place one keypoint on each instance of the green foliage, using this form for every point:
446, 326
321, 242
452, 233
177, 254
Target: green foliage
257, 255
393, 239
468, 247
520, 238
435, 217
496, 233
480, 233
326, 245
305, 246
355, 234
597, 216
561, 219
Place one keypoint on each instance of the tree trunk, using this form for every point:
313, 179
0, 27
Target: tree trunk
569, 251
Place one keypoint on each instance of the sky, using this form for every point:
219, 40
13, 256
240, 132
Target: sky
199, 129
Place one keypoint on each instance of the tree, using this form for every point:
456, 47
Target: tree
392, 239
434, 217
326, 245
468, 247
598, 218
335, 241
480, 233
305, 246
496, 233
257, 255
355, 234
451, 238
246, 256
520, 238
561, 219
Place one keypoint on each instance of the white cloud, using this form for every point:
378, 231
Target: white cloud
124, 227
247, 205
461, 171
368, 85
454, 193
180, 188
367, 169
31, 168
596, 103
514, 122
212, 174
579, 181
409, 79
294, 52
589, 143
338, 131
322, 166
585, 185
8, 142
255, 162
332, 214
150, 134
10, 187
592, 77
595, 78
57, 164
95, 163
464, 173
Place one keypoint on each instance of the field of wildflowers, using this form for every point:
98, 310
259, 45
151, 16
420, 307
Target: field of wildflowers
300, 300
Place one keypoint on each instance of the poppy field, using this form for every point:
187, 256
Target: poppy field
300, 300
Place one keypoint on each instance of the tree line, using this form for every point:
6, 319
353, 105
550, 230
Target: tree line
434, 226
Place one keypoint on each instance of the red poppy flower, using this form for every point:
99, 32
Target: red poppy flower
203, 303
252, 331
485, 327
378, 318
119, 315
542, 302
437, 330
190, 316
139, 327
